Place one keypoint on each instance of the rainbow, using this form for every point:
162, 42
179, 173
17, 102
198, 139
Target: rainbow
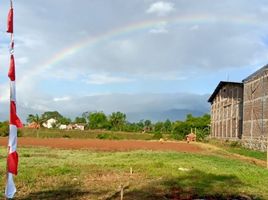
143, 26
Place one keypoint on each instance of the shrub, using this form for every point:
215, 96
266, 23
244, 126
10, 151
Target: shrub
158, 136
20, 133
66, 136
4, 129
105, 136
177, 136
201, 134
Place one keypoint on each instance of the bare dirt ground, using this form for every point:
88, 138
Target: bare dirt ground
106, 145
130, 145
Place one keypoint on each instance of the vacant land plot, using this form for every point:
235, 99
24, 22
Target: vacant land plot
106, 145
207, 172
89, 134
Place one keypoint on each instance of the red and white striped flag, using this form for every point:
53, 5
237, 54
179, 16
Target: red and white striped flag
10, 20
15, 123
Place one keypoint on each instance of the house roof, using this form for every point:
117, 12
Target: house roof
258, 72
219, 86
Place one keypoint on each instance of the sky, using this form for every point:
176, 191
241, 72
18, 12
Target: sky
132, 56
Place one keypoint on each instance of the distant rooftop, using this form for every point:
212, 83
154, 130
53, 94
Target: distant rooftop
219, 86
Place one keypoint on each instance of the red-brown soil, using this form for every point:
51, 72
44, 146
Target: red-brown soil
105, 145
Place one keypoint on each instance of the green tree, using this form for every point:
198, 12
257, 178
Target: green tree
57, 116
168, 126
51, 114
4, 128
140, 125
64, 120
97, 120
36, 118
117, 120
200, 124
39, 120
85, 115
147, 125
80, 120
180, 130
159, 127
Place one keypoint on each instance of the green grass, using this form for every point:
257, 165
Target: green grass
46, 173
234, 147
89, 134
247, 152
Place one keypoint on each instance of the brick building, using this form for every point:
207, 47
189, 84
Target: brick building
226, 110
255, 109
240, 110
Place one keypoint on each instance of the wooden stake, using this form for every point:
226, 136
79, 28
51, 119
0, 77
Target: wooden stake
121, 192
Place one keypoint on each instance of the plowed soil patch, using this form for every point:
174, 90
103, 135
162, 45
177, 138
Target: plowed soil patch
106, 145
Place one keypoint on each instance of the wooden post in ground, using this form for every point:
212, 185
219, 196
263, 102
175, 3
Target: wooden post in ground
121, 192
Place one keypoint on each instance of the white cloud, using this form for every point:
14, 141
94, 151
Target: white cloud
56, 99
100, 79
161, 8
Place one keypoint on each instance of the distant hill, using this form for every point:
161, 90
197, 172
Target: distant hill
154, 116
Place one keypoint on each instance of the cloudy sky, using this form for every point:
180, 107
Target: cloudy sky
133, 56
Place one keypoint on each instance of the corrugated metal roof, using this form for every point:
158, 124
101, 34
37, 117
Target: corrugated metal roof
219, 86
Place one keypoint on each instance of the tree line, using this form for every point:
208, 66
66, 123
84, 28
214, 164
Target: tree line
117, 121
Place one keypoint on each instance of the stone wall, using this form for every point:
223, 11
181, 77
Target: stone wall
256, 143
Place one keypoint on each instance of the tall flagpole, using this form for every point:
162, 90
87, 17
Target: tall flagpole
14, 121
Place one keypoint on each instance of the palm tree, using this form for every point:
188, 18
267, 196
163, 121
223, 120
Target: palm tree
37, 120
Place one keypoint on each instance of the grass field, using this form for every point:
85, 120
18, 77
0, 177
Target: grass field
46, 173
89, 134
234, 147
110, 135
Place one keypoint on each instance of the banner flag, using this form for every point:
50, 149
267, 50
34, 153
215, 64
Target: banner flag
14, 122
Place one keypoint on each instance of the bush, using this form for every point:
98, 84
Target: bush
4, 129
66, 136
20, 133
157, 136
201, 134
177, 136
180, 130
105, 136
